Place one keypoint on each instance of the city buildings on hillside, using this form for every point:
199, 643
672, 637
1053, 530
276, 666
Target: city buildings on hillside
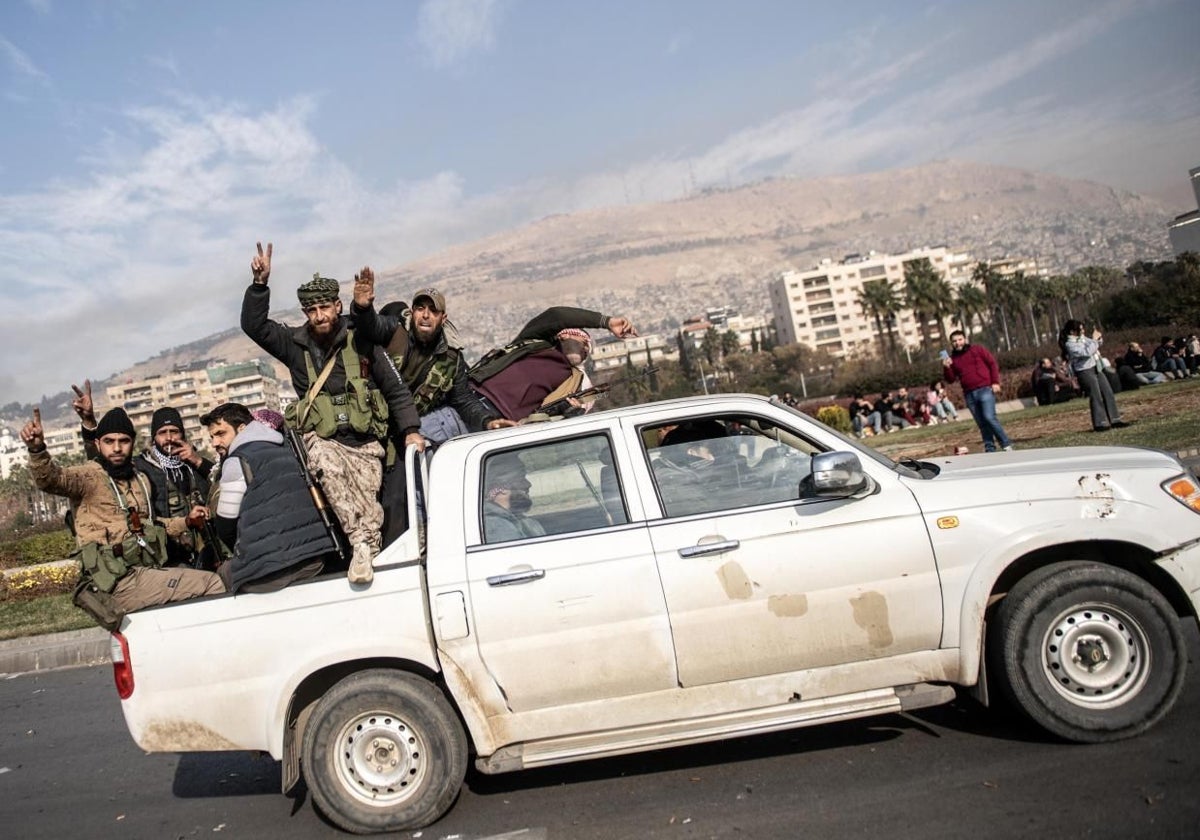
197, 388
12, 453
612, 352
1185, 229
820, 307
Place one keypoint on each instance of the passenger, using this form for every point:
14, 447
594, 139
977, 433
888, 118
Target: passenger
543, 364
352, 399
431, 363
507, 501
121, 545
278, 536
429, 359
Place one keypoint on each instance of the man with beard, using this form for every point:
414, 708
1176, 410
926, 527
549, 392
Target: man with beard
122, 548
432, 365
351, 400
430, 361
263, 506
507, 501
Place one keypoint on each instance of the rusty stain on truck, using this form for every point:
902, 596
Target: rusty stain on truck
788, 606
733, 579
183, 736
871, 614
1097, 491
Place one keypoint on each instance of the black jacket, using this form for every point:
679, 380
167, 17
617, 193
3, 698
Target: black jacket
419, 359
290, 345
278, 526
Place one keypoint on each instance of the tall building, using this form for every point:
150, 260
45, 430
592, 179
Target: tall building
611, 352
196, 389
1185, 229
820, 307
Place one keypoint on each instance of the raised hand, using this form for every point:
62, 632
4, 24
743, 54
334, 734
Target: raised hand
260, 266
621, 327
364, 287
83, 404
32, 435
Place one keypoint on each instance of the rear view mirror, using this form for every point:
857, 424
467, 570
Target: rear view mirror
836, 474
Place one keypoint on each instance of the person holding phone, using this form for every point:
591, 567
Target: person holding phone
976, 368
1083, 355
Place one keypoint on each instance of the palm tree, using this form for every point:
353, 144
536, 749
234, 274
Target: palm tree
880, 303
928, 294
970, 303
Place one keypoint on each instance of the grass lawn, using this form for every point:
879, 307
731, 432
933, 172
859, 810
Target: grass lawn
52, 614
1164, 416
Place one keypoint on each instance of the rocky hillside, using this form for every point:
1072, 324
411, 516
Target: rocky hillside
660, 263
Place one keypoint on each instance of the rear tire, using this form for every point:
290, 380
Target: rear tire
1089, 652
383, 751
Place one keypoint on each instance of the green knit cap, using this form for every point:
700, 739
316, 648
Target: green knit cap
318, 290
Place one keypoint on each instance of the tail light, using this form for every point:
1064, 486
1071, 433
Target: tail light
122, 666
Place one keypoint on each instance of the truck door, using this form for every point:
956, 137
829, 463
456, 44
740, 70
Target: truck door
564, 588
759, 580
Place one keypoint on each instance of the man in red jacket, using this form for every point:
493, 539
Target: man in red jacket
979, 374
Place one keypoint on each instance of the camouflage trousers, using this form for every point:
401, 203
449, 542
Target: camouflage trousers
351, 477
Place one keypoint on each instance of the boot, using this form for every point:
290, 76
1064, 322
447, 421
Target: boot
361, 570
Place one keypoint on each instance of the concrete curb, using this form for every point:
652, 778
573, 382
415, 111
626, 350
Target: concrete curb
55, 650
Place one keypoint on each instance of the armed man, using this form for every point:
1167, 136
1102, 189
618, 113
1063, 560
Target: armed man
122, 546
350, 394
543, 364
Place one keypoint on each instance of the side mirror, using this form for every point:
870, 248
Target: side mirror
836, 474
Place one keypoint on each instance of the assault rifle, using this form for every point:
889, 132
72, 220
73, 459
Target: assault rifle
562, 406
318, 493
214, 552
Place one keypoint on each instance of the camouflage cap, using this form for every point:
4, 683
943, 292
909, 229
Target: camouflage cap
318, 290
436, 298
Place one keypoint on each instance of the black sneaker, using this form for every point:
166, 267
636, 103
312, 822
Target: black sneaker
1121, 424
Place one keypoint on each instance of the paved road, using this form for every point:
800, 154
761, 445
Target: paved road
69, 769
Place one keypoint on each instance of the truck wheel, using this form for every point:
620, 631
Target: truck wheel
1090, 652
383, 751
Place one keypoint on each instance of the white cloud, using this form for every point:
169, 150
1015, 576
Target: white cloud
449, 30
164, 62
16, 58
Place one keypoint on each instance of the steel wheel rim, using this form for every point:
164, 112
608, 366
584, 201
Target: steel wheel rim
1096, 655
380, 758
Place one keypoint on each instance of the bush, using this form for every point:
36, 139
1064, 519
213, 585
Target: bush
28, 584
835, 417
37, 547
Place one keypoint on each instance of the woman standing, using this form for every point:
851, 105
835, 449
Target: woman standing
1083, 355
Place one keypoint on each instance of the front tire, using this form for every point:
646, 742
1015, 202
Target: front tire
1091, 653
383, 751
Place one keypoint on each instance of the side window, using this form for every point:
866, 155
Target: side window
721, 463
556, 488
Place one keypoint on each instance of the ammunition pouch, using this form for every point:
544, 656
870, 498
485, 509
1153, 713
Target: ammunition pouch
361, 408
104, 565
100, 605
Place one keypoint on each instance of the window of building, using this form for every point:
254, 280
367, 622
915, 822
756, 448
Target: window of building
872, 271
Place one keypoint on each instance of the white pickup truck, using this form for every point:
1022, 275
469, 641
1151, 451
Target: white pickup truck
681, 572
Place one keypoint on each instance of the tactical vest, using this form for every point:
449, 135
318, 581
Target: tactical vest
361, 407
500, 358
436, 376
104, 565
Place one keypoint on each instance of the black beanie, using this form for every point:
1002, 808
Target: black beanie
116, 421
165, 416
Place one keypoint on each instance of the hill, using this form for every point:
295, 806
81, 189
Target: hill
660, 263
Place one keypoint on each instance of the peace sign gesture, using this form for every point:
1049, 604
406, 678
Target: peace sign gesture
83, 404
32, 435
260, 266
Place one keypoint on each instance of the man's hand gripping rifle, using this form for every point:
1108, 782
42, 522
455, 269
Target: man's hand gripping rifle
317, 492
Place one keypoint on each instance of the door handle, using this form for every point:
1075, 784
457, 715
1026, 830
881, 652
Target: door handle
708, 548
516, 577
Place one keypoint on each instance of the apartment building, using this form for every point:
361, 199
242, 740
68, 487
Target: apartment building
612, 352
1184, 230
196, 389
820, 307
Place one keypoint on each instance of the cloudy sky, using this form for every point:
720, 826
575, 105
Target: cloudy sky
147, 144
